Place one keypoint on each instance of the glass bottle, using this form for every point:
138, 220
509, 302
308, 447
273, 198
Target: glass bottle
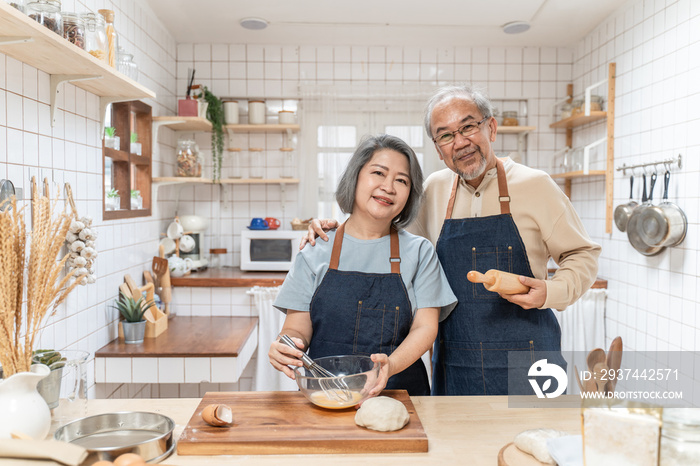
95, 36
288, 162
126, 65
236, 162
680, 437
48, 13
510, 118
74, 29
112, 41
257, 162
189, 160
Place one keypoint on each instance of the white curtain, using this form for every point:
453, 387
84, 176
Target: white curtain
582, 329
267, 378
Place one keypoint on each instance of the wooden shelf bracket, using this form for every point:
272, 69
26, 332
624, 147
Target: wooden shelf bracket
56, 80
7, 40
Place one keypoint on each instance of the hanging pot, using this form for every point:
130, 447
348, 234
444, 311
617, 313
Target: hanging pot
665, 224
624, 211
634, 224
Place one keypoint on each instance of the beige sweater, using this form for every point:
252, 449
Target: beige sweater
546, 220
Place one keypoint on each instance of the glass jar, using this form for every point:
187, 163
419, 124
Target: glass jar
126, 65
576, 107
74, 29
95, 36
236, 162
510, 118
289, 163
189, 160
216, 258
48, 13
257, 162
596, 103
680, 437
565, 111
112, 41
18, 4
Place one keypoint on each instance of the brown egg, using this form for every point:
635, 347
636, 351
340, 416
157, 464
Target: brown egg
217, 415
129, 459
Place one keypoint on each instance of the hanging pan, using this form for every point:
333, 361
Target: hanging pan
623, 211
634, 227
665, 224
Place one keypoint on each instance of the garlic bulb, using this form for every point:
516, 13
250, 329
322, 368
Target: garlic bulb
77, 246
80, 240
81, 271
76, 226
89, 244
88, 253
91, 278
87, 221
85, 234
79, 261
70, 237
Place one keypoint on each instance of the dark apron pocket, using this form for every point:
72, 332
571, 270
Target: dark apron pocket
487, 258
375, 330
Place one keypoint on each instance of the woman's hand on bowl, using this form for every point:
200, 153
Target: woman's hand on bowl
282, 356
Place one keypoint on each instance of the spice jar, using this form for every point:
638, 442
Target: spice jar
236, 162
256, 112
289, 164
95, 36
565, 111
48, 13
189, 160
257, 162
576, 107
231, 112
286, 117
18, 4
596, 103
74, 29
126, 65
510, 118
680, 437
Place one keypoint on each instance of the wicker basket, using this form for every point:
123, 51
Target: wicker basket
300, 226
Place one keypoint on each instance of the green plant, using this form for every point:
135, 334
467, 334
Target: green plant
51, 358
133, 309
215, 114
134, 137
135, 193
112, 193
110, 131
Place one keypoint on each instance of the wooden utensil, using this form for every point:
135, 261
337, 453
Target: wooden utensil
614, 361
594, 357
498, 281
600, 372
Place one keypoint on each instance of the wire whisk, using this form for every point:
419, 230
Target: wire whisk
333, 386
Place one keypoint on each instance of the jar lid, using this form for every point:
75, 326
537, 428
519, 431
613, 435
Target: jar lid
285, 111
234, 149
71, 17
227, 99
108, 15
510, 113
54, 5
217, 251
258, 101
286, 149
255, 149
92, 17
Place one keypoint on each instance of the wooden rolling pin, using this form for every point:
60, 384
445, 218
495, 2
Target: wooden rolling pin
498, 281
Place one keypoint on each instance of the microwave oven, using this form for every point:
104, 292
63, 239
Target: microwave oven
269, 250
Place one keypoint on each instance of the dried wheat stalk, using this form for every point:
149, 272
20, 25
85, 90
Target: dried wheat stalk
45, 289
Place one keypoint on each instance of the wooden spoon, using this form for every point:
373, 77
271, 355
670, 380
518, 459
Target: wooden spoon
600, 371
594, 357
614, 361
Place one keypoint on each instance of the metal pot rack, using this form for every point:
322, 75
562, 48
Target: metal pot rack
667, 162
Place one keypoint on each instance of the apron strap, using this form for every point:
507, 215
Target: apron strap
393, 239
503, 196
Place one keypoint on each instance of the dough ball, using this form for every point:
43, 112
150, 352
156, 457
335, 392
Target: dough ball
382, 413
534, 442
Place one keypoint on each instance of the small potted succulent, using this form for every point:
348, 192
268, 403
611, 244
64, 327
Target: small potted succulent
132, 310
135, 147
111, 140
50, 387
112, 201
136, 200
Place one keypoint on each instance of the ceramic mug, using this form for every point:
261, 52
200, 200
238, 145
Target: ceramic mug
272, 223
187, 243
258, 223
175, 230
168, 245
179, 266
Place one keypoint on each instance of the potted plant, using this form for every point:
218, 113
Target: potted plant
113, 201
50, 387
135, 147
111, 140
136, 200
215, 114
132, 310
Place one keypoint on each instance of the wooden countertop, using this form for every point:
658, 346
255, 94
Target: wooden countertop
460, 430
189, 337
229, 277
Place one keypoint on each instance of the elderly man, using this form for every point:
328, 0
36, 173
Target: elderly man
485, 213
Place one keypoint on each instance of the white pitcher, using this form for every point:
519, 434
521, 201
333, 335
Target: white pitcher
179, 266
22, 409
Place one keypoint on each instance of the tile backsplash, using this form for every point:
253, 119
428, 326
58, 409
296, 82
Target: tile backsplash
652, 301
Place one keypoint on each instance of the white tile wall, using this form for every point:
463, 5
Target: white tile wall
656, 44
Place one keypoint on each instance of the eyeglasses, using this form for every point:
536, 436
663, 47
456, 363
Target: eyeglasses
467, 130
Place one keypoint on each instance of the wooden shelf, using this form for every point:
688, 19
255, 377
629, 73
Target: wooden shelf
181, 179
516, 129
34, 44
229, 277
578, 174
262, 128
179, 123
579, 120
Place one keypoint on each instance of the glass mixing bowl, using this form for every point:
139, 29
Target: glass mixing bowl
358, 373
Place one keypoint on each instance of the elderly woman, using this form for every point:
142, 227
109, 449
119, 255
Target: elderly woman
373, 289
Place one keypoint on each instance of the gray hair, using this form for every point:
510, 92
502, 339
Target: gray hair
464, 92
345, 195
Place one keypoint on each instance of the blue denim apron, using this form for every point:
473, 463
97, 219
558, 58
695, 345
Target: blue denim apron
365, 313
471, 351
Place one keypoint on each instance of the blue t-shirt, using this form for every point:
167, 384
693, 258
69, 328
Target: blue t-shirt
421, 272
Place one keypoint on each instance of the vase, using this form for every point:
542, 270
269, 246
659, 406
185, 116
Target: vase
134, 331
22, 409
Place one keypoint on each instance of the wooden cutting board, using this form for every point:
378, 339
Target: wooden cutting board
275, 423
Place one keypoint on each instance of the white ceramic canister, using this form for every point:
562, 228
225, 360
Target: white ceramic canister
231, 112
286, 117
256, 112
